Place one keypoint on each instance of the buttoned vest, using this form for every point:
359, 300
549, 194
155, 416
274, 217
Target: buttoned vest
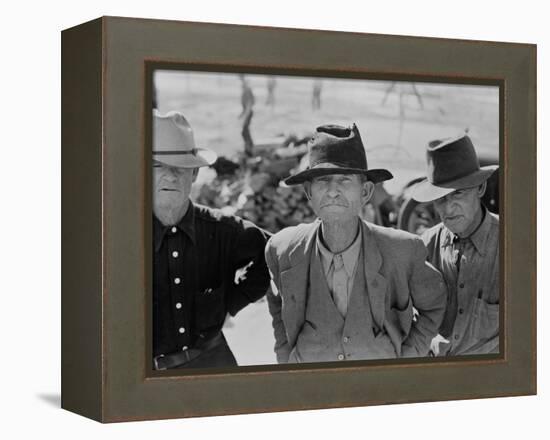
328, 336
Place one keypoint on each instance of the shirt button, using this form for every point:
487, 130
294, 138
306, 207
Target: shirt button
181, 330
340, 357
185, 347
178, 305
456, 337
174, 229
460, 311
461, 285
346, 339
175, 254
177, 280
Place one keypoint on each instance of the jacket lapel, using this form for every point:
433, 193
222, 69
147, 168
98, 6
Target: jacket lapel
376, 282
294, 283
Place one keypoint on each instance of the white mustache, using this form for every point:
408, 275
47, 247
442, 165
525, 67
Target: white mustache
336, 202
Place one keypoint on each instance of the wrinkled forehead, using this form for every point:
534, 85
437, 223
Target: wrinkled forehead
160, 166
337, 176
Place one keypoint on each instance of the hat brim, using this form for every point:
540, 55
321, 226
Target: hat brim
203, 157
375, 175
425, 191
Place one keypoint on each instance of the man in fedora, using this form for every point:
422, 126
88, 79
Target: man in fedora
344, 289
197, 253
464, 247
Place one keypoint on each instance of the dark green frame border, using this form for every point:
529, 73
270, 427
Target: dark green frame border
126, 390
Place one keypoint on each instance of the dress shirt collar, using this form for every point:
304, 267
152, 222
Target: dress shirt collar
186, 224
349, 256
478, 238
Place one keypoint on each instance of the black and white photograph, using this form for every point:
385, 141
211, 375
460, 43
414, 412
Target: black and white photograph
313, 219
275, 219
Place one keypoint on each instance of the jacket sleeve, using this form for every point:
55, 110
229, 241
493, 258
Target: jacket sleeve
275, 304
249, 277
429, 296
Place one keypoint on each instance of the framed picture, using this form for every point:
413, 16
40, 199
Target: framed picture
191, 154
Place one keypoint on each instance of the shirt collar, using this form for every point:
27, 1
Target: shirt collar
349, 256
478, 238
186, 225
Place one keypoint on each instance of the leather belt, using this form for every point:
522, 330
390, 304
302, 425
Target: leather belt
179, 358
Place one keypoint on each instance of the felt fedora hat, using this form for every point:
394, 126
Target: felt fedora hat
452, 165
174, 143
334, 149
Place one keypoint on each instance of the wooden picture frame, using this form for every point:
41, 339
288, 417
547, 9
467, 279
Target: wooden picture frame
106, 231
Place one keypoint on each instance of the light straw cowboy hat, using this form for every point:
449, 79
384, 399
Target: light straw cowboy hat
174, 143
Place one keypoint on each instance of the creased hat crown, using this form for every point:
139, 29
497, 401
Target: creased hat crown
335, 149
174, 142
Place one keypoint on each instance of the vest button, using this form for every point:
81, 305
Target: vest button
346, 339
340, 357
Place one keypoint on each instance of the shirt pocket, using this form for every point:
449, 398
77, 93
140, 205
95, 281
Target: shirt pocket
486, 319
210, 308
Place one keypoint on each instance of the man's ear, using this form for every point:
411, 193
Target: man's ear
368, 191
481, 189
195, 174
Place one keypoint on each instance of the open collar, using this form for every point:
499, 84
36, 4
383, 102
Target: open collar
478, 238
186, 225
349, 256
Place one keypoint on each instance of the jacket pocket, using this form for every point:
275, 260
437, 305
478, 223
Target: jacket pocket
383, 347
402, 318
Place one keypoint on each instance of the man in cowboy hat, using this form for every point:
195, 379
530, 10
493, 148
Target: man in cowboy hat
464, 247
197, 252
344, 289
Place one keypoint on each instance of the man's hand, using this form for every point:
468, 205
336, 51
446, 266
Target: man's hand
240, 274
434, 346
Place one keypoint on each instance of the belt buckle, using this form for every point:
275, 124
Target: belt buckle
156, 364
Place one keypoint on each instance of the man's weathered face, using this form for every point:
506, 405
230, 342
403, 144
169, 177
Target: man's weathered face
460, 211
338, 197
171, 186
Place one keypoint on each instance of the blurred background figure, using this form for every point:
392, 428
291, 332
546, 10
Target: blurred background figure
402, 90
316, 97
247, 103
271, 84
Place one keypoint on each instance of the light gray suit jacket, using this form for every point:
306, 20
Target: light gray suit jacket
407, 295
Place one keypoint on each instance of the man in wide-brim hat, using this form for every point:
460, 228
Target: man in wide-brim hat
197, 252
464, 247
344, 289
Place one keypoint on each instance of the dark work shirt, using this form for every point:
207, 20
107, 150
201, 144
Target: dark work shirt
198, 275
